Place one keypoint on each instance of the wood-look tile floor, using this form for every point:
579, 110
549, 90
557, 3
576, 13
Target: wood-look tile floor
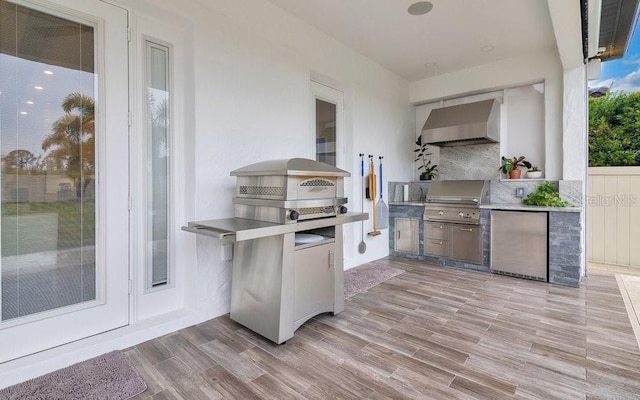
429, 333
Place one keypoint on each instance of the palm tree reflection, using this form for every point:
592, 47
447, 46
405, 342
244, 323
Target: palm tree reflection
72, 141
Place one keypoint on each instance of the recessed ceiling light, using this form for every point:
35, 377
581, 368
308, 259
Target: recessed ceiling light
38, 87
420, 8
23, 112
430, 64
48, 72
29, 102
487, 48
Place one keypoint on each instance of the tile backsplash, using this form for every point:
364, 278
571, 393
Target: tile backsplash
501, 191
572, 191
476, 161
505, 191
417, 190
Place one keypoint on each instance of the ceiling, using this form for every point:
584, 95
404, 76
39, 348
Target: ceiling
617, 21
455, 35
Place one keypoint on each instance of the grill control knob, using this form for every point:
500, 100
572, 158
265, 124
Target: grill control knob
440, 212
460, 214
342, 210
294, 215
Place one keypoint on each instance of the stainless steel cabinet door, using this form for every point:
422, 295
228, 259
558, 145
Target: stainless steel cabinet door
406, 232
466, 243
519, 243
314, 280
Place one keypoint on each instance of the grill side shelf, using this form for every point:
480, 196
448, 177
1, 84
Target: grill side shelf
239, 229
223, 235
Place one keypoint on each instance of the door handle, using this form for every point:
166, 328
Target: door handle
331, 259
398, 234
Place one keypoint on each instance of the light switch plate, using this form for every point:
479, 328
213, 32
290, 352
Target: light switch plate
520, 192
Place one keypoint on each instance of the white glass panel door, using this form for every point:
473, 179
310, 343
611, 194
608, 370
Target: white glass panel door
328, 108
64, 182
325, 132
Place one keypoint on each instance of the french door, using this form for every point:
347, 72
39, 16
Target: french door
64, 269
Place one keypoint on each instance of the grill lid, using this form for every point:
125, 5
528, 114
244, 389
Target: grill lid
458, 192
290, 167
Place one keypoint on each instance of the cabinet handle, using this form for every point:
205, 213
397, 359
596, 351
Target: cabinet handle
466, 229
398, 234
331, 260
438, 243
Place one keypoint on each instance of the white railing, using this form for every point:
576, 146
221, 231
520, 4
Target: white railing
613, 215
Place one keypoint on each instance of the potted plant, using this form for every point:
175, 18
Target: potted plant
429, 170
511, 166
534, 172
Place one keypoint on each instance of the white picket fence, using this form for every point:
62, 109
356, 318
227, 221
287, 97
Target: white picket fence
613, 216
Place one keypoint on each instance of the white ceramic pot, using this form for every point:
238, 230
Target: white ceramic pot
534, 174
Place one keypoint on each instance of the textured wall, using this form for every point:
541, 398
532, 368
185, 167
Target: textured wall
565, 253
477, 161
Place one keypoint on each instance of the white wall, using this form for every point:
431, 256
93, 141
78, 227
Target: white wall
575, 119
575, 139
525, 134
512, 72
521, 133
244, 88
252, 64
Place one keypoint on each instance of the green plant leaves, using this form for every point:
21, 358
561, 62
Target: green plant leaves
547, 196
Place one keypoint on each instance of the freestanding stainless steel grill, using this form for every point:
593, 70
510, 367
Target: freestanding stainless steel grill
287, 235
286, 191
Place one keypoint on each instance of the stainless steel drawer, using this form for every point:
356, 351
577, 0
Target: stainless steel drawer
434, 230
436, 247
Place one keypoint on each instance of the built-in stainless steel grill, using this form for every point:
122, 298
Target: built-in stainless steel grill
455, 201
287, 235
452, 219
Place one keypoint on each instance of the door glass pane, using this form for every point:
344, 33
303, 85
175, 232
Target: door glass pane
47, 145
157, 81
326, 132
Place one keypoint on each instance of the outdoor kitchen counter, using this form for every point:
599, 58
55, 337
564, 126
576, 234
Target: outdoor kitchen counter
564, 230
523, 207
499, 206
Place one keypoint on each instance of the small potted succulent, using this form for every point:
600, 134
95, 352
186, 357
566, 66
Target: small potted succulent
429, 170
534, 172
511, 166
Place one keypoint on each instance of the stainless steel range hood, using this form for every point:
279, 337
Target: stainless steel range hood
471, 123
